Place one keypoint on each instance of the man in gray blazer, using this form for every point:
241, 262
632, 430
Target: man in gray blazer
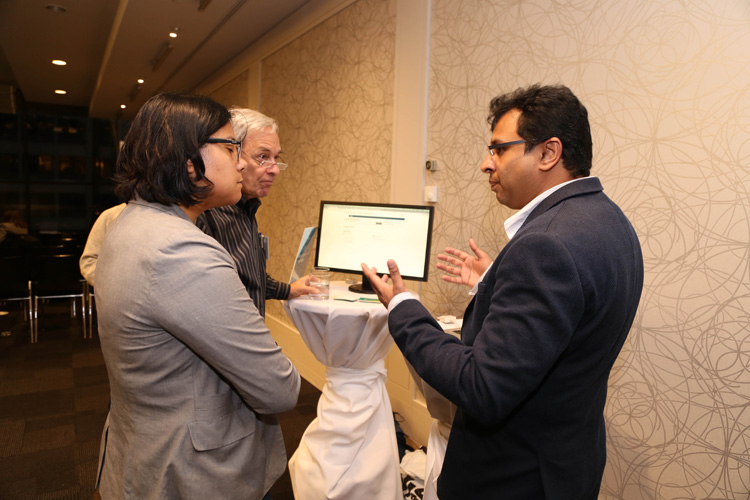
547, 321
195, 376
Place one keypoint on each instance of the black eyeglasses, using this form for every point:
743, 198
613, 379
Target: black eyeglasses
234, 142
495, 147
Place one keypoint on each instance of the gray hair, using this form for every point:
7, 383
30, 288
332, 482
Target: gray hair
246, 121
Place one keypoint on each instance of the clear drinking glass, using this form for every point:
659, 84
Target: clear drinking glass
322, 284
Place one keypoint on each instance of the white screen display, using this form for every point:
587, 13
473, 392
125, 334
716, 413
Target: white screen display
351, 233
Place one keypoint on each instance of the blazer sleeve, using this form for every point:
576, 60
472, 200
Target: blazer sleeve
523, 316
87, 262
202, 302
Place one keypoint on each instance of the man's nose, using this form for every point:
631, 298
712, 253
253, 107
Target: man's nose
274, 170
487, 166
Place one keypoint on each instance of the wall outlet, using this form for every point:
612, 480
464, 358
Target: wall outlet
431, 194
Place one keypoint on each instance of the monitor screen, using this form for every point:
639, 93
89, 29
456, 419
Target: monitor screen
352, 233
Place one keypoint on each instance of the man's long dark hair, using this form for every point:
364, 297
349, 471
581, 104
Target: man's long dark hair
168, 130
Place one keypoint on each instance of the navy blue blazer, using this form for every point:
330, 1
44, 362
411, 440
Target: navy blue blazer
529, 375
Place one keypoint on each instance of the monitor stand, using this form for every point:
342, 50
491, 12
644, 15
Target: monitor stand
364, 287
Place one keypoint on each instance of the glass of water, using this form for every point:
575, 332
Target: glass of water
321, 281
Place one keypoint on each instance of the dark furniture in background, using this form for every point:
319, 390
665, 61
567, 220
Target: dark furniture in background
56, 168
58, 277
15, 284
37, 270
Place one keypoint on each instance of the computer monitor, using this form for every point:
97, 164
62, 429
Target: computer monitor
352, 233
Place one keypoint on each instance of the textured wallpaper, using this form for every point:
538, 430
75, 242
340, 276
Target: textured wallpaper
667, 86
331, 92
234, 92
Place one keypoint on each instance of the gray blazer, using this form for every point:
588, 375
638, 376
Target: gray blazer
195, 376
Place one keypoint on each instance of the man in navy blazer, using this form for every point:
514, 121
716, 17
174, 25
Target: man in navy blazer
547, 321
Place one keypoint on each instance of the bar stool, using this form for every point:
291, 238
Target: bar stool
15, 285
58, 277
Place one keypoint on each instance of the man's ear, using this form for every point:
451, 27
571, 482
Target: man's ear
191, 170
551, 154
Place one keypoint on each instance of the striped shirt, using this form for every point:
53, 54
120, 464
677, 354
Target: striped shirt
235, 227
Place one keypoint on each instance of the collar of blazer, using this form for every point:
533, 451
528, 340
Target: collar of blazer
584, 186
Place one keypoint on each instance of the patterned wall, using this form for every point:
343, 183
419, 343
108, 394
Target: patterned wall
331, 92
234, 92
667, 85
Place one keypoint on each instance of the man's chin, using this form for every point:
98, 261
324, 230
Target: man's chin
259, 194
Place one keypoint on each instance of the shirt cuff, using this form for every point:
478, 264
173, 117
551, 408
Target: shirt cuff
398, 298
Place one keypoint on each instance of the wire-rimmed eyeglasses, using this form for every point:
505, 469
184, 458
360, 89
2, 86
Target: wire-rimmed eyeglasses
496, 147
267, 163
234, 142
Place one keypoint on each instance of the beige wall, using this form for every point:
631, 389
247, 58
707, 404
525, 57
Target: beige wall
331, 91
667, 88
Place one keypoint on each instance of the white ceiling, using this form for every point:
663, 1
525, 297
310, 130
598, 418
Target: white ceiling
109, 44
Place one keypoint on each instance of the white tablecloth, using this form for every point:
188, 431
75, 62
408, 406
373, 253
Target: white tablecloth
349, 451
442, 412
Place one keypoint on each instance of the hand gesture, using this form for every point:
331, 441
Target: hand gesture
463, 268
385, 291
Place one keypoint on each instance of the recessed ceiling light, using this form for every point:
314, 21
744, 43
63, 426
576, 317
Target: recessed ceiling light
59, 62
140, 80
173, 34
55, 8
61, 92
122, 106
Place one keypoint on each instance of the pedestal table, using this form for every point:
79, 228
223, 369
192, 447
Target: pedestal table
349, 451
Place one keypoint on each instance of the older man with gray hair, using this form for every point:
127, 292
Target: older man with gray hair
235, 226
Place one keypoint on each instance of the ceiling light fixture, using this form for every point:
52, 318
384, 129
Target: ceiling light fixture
122, 106
161, 56
173, 33
134, 92
59, 9
61, 92
140, 80
59, 62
